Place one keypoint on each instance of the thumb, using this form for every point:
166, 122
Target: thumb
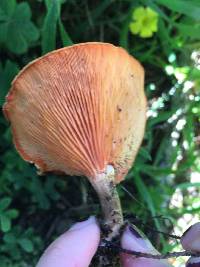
76, 247
133, 239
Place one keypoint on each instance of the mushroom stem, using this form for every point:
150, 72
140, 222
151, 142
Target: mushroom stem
110, 202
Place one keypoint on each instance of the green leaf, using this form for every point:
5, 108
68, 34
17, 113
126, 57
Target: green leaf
12, 213
125, 27
50, 26
164, 36
188, 8
163, 116
48, 3
161, 150
7, 8
5, 203
144, 192
17, 32
147, 198
184, 186
6, 76
192, 31
9, 238
26, 244
154, 171
145, 153
5, 223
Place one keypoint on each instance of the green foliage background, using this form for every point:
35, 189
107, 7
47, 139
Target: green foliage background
35, 209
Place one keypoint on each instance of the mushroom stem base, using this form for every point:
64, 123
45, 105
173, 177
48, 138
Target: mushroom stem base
110, 203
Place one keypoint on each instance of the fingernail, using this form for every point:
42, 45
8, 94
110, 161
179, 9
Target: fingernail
134, 238
84, 224
135, 231
193, 262
190, 240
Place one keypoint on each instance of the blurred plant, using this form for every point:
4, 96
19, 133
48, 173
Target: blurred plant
18, 246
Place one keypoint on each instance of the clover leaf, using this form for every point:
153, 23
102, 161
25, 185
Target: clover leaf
6, 214
16, 29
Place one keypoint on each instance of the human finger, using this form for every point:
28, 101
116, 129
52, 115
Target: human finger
133, 239
75, 248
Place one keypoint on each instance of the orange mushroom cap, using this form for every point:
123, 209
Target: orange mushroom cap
79, 109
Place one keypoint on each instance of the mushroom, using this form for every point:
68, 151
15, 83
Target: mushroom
80, 110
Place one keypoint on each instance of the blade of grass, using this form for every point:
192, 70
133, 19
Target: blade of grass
66, 40
94, 15
50, 26
123, 39
145, 195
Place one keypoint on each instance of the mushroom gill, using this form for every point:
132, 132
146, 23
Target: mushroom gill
80, 110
